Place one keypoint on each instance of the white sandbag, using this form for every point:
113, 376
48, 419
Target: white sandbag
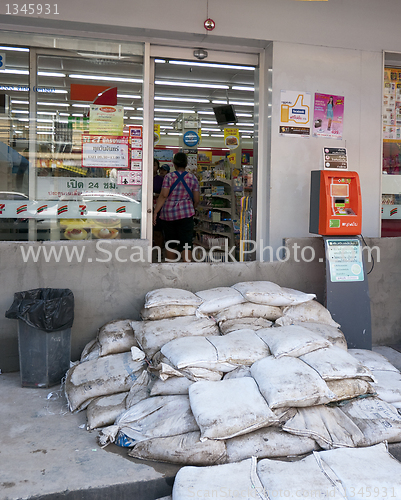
216, 299
115, 337
241, 347
269, 442
290, 382
373, 360
229, 408
378, 421
169, 311
387, 385
292, 340
243, 324
104, 410
364, 472
161, 416
349, 388
186, 449
219, 481
333, 363
90, 351
268, 293
198, 374
173, 385
165, 370
311, 311
101, 377
195, 352
241, 371
155, 334
329, 427
171, 296
139, 390
249, 310
300, 479
330, 333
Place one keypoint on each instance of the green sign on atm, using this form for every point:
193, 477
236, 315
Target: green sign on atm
334, 222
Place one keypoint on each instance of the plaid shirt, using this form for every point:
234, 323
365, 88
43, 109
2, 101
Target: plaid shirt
179, 204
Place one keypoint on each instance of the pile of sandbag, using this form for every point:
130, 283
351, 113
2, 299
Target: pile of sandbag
225, 374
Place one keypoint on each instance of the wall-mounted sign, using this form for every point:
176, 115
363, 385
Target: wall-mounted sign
335, 159
295, 113
328, 116
191, 138
107, 151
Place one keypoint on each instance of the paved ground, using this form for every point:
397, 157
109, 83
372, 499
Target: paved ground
46, 453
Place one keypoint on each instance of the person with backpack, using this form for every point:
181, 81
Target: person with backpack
176, 203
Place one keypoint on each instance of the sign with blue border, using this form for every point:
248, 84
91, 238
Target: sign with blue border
191, 139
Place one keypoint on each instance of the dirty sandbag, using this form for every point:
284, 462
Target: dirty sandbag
49, 309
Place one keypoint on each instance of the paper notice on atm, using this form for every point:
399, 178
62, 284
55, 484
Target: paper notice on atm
295, 113
345, 259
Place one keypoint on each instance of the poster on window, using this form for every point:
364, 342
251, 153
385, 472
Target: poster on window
328, 116
104, 151
295, 111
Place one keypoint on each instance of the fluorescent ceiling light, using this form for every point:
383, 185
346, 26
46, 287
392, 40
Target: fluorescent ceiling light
190, 84
163, 119
245, 115
19, 111
77, 114
240, 87
129, 108
209, 122
14, 49
50, 103
206, 113
165, 127
51, 73
168, 110
19, 102
173, 133
246, 136
136, 117
244, 131
15, 71
59, 91
44, 127
205, 149
180, 99
129, 96
216, 135
211, 65
244, 124
64, 114
80, 105
237, 103
160, 60
47, 113
18, 132
211, 129
105, 78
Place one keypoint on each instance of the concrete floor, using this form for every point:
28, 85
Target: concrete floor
46, 452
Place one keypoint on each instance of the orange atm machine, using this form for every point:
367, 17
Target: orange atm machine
335, 203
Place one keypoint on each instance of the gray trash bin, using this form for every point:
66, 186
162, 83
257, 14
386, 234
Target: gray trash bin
45, 317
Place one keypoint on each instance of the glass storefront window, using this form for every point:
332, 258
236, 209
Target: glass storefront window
72, 141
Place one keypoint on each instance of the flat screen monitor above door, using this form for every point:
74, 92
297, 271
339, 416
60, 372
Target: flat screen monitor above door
225, 114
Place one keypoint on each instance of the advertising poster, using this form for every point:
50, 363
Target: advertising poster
107, 120
328, 116
295, 119
231, 137
392, 104
104, 151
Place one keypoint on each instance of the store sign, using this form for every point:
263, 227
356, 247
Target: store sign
105, 119
191, 138
104, 151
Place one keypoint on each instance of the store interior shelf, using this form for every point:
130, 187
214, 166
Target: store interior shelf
225, 222
209, 231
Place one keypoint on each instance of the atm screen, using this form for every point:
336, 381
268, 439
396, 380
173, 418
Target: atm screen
339, 190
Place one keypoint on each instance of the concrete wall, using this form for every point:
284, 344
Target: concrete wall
115, 289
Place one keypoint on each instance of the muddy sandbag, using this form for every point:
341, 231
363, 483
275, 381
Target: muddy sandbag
232, 325
364, 472
289, 382
101, 377
373, 360
270, 442
104, 410
153, 335
299, 479
173, 385
271, 294
165, 370
90, 351
292, 340
160, 416
333, 363
249, 310
311, 311
349, 388
387, 385
139, 390
171, 296
329, 427
115, 337
229, 408
216, 299
186, 449
378, 421
330, 333
217, 481
169, 311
